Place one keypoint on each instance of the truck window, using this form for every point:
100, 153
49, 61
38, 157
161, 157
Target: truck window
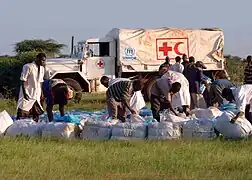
104, 49
94, 49
99, 49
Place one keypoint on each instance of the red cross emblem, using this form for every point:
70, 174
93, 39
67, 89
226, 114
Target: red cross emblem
100, 63
171, 47
165, 49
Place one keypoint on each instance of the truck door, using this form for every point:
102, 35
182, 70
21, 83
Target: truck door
100, 61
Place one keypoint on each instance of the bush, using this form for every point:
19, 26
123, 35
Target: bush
11, 67
235, 70
10, 71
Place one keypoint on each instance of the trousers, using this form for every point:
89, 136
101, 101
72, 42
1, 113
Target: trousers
116, 110
157, 106
197, 101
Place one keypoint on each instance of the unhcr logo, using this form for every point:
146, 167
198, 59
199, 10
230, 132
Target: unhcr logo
129, 53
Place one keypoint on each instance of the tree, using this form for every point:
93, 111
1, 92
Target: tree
50, 46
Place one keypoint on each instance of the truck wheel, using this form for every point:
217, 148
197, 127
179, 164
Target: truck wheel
147, 88
75, 87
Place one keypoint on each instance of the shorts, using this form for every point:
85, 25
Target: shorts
34, 112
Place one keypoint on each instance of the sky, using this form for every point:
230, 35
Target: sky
60, 19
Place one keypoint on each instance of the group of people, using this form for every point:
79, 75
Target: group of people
192, 88
179, 87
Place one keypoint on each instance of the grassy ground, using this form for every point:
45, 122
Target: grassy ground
58, 159
89, 102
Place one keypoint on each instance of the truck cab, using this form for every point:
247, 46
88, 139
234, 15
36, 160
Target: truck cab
99, 57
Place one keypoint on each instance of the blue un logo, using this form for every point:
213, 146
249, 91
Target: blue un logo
129, 51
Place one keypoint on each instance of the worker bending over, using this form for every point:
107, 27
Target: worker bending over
161, 96
242, 96
217, 87
118, 98
136, 102
56, 91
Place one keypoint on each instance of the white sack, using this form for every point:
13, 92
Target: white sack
240, 129
136, 102
209, 113
5, 122
169, 117
97, 130
59, 129
135, 118
129, 131
163, 130
200, 129
25, 127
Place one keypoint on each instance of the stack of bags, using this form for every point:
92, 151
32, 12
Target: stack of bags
201, 124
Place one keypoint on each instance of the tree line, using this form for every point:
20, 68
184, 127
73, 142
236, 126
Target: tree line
26, 51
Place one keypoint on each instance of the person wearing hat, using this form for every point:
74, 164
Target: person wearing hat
195, 77
55, 91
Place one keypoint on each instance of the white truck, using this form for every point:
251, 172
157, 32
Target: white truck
136, 51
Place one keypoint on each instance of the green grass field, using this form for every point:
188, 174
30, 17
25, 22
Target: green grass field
58, 159
23, 158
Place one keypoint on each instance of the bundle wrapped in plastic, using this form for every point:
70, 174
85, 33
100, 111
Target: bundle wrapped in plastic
68, 118
60, 129
242, 128
135, 118
129, 131
167, 115
209, 113
202, 85
199, 129
229, 107
164, 130
145, 112
25, 128
136, 102
97, 130
5, 122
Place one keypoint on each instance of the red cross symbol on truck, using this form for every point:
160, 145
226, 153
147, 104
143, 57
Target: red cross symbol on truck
100, 64
171, 47
165, 48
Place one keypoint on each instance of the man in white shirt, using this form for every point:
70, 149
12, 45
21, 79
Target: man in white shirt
178, 67
31, 89
242, 96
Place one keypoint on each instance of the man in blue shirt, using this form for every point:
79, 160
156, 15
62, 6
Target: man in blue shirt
195, 77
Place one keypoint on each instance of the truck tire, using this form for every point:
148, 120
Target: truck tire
75, 86
147, 88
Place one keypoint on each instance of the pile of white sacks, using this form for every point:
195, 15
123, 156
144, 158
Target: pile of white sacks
201, 124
